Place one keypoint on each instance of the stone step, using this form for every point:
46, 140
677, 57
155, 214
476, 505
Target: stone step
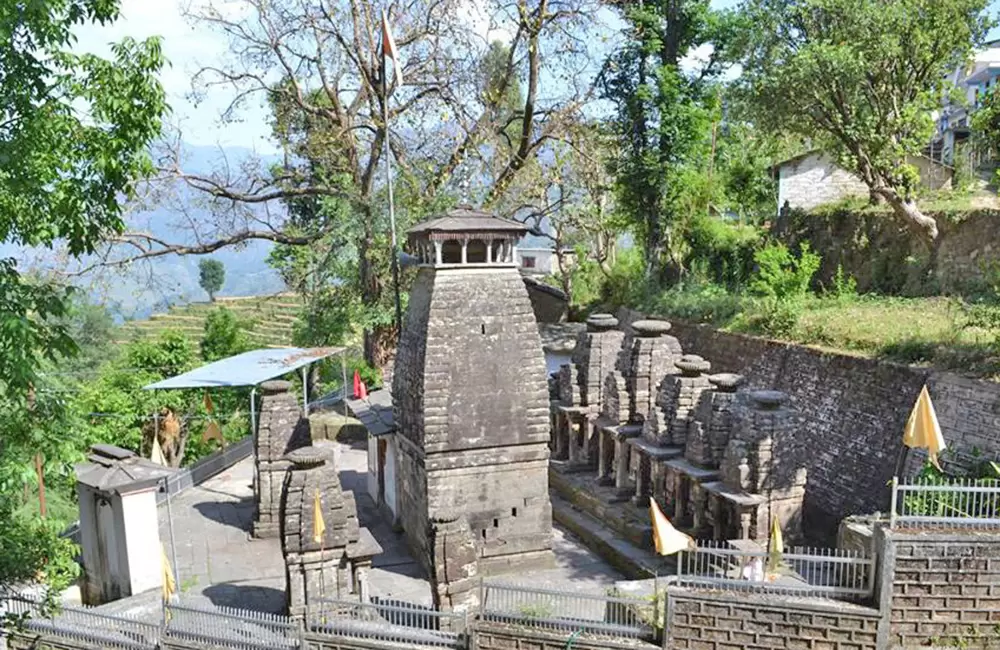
633, 562
603, 504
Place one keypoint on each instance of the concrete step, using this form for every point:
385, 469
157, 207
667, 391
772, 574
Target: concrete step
634, 562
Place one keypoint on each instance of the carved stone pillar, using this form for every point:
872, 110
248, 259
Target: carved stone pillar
454, 582
653, 356
280, 430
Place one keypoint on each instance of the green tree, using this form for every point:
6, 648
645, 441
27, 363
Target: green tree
75, 131
211, 277
861, 79
663, 117
225, 335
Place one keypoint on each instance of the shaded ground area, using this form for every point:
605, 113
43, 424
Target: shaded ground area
217, 563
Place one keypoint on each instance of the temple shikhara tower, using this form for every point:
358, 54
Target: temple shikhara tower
470, 399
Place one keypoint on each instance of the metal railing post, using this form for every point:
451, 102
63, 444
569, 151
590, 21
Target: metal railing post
893, 503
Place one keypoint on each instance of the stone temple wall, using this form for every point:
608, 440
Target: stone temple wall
472, 412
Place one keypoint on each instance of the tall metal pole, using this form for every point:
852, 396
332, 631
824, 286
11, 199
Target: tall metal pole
388, 180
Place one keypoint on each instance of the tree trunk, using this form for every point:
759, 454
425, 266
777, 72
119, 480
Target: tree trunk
908, 211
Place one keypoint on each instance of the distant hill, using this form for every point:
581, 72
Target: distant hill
271, 319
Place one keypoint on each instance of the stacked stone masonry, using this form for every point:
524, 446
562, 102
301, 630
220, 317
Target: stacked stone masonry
280, 430
709, 622
471, 402
945, 588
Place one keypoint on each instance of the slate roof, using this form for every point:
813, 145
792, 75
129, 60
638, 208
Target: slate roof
465, 218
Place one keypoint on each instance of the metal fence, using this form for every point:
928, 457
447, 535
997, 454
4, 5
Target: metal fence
82, 624
823, 573
564, 611
968, 503
224, 627
389, 621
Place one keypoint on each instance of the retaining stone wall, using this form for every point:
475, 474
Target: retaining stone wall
945, 589
494, 636
701, 621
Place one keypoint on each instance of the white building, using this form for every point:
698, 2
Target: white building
973, 80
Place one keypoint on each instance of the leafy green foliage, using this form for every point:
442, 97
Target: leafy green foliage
74, 140
782, 276
211, 277
861, 78
663, 117
225, 335
722, 252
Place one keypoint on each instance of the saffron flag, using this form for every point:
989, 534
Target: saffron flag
922, 428
667, 539
213, 432
169, 585
208, 403
156, 455
319, 526
363, 393
357, 385
389, 49
775, 545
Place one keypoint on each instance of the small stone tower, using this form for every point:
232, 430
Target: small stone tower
471, 396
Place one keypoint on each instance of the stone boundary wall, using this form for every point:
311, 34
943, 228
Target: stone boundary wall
703, 621
494, 636
940, 588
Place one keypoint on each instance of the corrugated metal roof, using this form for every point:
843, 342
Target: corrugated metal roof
247, 369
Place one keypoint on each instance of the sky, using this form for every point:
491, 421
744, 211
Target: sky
188, 47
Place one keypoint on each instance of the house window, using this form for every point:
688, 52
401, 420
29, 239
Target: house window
528, 262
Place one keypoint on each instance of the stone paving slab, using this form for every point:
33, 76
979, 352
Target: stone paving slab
217, 562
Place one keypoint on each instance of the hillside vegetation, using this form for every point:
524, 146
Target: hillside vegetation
269, 319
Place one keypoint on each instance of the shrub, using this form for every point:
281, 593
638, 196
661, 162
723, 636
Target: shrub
225, 335
696, 301
782, 276
722, 252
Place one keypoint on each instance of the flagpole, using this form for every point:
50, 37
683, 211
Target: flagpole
388, 180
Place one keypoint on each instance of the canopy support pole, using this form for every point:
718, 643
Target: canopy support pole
305, 389
253, 411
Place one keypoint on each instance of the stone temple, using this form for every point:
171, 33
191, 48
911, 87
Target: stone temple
470, 399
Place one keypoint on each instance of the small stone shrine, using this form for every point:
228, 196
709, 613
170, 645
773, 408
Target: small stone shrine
471, 399
336, 566
720, 463
597, 353
656, 357
760, 474
280, 429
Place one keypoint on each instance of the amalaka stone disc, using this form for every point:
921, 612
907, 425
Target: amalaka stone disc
651, 328
768, 399
692, 364
275, 386
726, 381
306, 457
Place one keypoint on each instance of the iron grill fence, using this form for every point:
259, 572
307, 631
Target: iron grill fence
971, 503
823, 573
564, 611
225, 627
388, 621
83, 624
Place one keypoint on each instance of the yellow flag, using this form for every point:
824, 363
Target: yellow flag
156, 455
319, 526
922, 428
775, 545
667, 539
169, 585
213, 432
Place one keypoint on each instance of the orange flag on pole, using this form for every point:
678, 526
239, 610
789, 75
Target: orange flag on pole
389, 49
667, 539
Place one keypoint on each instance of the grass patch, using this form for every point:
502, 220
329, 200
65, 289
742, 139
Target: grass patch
914, 331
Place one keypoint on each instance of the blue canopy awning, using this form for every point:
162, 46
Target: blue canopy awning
247, 369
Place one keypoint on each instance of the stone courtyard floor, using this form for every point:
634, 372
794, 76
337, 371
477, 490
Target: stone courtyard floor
218, 563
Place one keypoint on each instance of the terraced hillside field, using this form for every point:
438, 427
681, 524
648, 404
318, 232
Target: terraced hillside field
270, 318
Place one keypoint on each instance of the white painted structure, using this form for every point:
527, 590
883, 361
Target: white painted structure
814, 178
119, 527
